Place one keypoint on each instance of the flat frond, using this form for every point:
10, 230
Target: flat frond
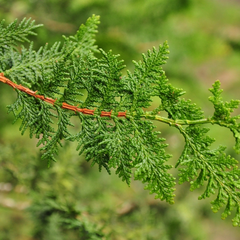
201, 165
13, 33
56, 84
82, 43
222, 115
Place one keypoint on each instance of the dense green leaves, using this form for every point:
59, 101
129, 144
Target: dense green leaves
14, 33
214, 167
222, 114
55, 217
70, 73
83, 42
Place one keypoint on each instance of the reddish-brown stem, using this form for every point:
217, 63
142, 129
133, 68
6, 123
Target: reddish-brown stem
87, 111
106, 114
52, 101
40, 97
28, 91
21, 88
122, 114
49, 100
70, 107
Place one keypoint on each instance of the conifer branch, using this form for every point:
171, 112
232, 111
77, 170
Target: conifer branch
115, 131
14, 33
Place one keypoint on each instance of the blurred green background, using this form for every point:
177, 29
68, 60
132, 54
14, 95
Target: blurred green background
204, 39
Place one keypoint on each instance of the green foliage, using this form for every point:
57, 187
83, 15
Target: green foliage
55, 219
222, 114
128, 144
14, 33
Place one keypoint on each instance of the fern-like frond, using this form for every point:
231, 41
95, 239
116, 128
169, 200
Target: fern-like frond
222, 115
220, 172
66, 81
26, 66
82, 43
55, 217
14, 33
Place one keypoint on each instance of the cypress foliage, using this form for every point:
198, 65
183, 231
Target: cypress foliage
115, 130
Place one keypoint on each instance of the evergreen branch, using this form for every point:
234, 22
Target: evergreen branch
27, 65
51, 146
220, 171
54, 215
222, 114
82, 43
14, 33
52, 101
115, 130
102, 140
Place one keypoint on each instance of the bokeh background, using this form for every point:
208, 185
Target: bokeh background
204, 39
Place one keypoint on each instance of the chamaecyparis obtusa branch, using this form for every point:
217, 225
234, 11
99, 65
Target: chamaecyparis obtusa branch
51, 84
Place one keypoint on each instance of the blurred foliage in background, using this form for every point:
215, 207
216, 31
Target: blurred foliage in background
35, 202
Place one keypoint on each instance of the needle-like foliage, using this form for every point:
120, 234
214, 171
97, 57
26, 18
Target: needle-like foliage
115, 132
